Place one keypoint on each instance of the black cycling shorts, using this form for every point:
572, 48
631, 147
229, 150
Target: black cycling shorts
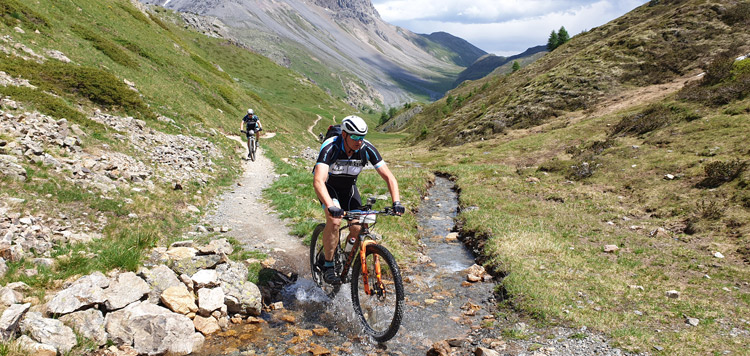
348, 199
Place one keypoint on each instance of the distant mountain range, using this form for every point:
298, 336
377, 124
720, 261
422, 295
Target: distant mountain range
342, 46
489, 62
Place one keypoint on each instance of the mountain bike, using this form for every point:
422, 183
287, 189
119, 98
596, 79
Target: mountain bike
253, 146
376, 286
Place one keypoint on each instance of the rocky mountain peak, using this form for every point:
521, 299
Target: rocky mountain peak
360, 10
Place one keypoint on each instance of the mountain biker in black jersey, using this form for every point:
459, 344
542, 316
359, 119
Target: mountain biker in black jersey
251, 123
340, 161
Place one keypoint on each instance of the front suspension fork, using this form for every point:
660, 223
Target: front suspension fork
366, 272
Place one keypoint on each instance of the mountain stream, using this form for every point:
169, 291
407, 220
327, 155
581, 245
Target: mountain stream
439, 305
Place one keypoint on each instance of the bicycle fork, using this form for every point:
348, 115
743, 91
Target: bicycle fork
380, 290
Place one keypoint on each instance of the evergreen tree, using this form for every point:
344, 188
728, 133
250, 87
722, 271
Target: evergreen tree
553, 41
516, 66
562, 36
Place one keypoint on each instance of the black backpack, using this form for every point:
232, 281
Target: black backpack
333, 130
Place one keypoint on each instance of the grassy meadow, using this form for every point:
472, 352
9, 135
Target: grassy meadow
203, 84
549, 201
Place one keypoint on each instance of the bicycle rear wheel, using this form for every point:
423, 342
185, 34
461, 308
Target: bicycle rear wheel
381, 310
316, 261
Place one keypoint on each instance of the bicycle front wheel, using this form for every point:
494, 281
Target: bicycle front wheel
380, 302
252, 149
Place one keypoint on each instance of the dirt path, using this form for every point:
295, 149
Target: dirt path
612, 104
309, 129
252, 221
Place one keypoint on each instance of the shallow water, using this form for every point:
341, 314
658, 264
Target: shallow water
435, 293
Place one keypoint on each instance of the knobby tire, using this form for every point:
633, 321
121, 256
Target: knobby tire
382, 311
252, 149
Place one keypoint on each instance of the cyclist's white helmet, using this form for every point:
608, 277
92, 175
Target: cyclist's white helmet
354, 125
249, 111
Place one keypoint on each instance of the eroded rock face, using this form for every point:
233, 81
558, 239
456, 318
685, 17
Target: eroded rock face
84, 292
159, 278
361, 10
89, 323
10, 319
50, 332
153, 330
242, 297
127, 288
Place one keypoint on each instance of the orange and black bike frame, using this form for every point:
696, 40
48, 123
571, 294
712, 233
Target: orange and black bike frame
361, 246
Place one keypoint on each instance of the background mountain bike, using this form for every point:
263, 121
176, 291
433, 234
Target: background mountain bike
253, 144
376, 285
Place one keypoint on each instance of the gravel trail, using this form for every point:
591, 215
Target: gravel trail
253, 222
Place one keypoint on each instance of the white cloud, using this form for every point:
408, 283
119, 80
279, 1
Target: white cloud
503, 27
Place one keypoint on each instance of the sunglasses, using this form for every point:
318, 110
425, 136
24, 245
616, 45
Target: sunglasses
357, 137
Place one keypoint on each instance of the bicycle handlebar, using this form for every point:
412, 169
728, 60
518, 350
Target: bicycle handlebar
356, 214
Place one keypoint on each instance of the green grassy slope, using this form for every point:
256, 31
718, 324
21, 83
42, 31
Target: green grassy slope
651, 44
664, 178
203, 84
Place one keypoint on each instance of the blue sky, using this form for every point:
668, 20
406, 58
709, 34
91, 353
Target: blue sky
502, 27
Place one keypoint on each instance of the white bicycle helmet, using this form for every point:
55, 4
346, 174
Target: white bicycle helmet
249, 111
354, 125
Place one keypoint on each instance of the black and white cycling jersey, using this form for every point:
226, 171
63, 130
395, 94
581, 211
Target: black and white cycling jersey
342, 169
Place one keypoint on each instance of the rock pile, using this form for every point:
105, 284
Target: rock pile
187, 292
32, 138
40, 139
21, 234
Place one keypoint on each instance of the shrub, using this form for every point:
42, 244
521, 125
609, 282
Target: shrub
726, 80
209, 67
718, 173
96, 85
652, 118
132, 47
719, 70
424, 132
159, 22
739, 14
107, 47
101, 87
45, 103
744, 199
13, 12
137, 14
710, 210
581, 170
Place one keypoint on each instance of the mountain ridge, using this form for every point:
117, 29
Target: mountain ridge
348, 47
633, 50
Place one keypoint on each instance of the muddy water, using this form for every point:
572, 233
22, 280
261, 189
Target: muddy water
436, 291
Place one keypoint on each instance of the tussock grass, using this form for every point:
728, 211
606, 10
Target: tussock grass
547, 237
654, 117
15, 13
12, 349
110, 49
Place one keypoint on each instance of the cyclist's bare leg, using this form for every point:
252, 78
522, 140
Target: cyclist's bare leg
353, 231
330, 235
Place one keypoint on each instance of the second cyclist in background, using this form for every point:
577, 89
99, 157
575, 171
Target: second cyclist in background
251, 124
